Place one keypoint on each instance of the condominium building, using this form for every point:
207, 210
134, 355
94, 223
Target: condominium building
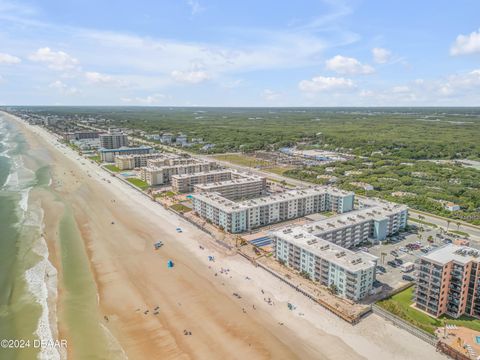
163, 174
371, 224
350, 273
113, 140
129, 162
249, 214
108, 155
448, 282
170, 160
240, 188
185, 183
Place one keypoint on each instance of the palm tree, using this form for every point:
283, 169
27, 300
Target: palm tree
458, 225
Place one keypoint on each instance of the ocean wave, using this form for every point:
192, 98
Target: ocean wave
42, 284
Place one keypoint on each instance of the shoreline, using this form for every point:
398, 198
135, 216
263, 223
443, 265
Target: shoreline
256, 333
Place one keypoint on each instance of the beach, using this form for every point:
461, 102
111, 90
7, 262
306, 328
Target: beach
111, 295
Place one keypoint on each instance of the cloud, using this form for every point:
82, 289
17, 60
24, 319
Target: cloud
195, 7
381, 55
94, 77
56, 60
9, 59
63, 88
322, 83
192, 77
400, 89
153, 99
348, 65
270, 95
466, 44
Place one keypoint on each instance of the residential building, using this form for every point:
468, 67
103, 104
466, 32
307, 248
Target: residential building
362, 185
451, 206
163, 174
166, 138
351, 274
249, 214
108, 155
448, 282
129, 162
181, 140
113, 140
185, 183
239, 188
370, 224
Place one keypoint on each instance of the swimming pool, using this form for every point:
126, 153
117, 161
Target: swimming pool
477, 339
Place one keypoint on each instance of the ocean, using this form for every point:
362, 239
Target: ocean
26, 275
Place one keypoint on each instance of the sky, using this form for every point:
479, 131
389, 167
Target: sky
240, 52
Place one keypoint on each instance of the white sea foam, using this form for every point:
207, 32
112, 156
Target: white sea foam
42, 284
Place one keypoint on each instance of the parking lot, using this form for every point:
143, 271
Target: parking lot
404, 248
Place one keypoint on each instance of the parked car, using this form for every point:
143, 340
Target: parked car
407, 278
392, 264
398, 261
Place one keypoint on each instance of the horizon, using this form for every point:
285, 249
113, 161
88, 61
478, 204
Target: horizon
206, 53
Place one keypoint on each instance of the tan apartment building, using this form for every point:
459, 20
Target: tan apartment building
186, 182
448, 282
240, 188
129, 162
162, 175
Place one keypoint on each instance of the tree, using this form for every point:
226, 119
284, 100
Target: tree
333, 288
448, 224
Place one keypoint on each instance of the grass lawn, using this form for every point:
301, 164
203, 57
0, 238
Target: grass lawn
96, 158
399, 305
180, 208
422, 222
243, 160
138, 183
112, 168
278, 170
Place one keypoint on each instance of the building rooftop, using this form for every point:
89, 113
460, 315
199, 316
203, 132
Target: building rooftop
217, 200
347, 259
375, 212
186, 176
242, 180
451, 252
125, 149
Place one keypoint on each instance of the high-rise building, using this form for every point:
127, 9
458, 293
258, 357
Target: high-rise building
448, 282
113, 140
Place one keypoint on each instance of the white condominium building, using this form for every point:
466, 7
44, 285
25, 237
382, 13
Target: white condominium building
170, 160
162, 175
371, 224
185, 183
249, 214
240, 188
351, 273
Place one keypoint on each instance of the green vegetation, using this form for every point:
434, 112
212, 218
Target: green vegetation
96, 158
112, 168
180, 208
138, 183
422, 222
400, 305
397, 150
461, 233
243, 160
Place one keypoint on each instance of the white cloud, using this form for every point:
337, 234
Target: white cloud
195, 7
381, 55
94, 77
63, 88
270, 95
9, 59
192, 77
348, 65
56, 60
322, 83
153, 99
466, 44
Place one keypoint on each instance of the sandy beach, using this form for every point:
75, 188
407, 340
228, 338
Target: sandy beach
142, 308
